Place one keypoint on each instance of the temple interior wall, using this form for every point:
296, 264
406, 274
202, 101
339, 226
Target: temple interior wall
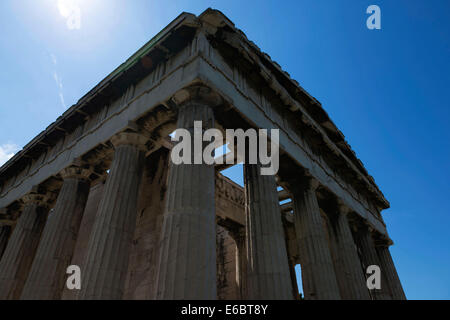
227, 287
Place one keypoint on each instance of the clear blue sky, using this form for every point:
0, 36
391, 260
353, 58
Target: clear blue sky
387, 90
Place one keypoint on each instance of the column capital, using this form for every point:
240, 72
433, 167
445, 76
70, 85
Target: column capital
197, 93
76, 170
343, 208
370, 229
5, 217
304, 183
383, 241
362, 225
130, 138
313, 183
38, 197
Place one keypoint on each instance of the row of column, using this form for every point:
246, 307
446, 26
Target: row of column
33, 265
333, 258
40, 249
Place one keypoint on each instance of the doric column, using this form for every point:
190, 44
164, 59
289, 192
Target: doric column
55, 251
318, 276
187, 263
104, 273
389, 270
268, 274
20, 251
350, 277
369, 257
5, 229
5, 232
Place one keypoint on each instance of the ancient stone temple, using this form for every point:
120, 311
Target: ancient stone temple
97, 188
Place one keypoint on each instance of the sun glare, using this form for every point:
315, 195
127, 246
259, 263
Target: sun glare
71, 11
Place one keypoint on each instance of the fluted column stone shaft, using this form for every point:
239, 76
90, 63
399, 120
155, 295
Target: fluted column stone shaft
241, 261
107, 257
318, 275
5, 232
187, 263
369, 257
350, 277
48, 272
388, 268
21, 249
268, 274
